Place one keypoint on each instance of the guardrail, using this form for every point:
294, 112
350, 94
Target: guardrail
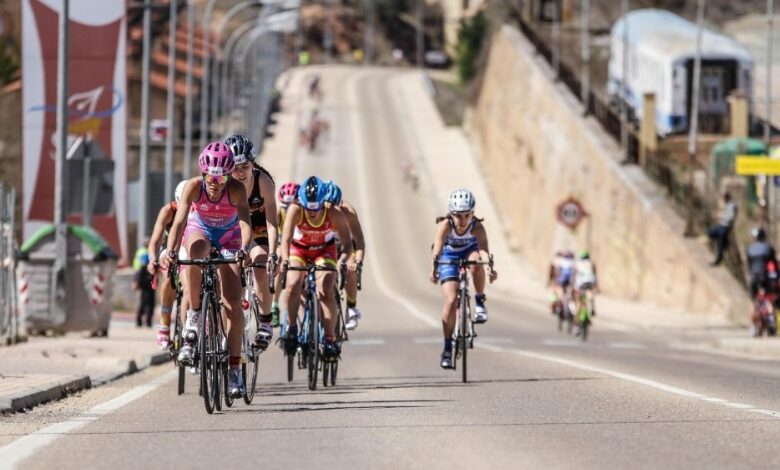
9, 319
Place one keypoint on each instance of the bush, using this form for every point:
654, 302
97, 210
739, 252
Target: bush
471, 37
9, 61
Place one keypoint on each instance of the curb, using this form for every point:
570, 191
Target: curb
57, 391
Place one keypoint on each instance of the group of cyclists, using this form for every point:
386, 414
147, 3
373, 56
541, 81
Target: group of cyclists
575, 284
230, 210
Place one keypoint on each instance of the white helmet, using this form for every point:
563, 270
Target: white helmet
461, 200
179, 190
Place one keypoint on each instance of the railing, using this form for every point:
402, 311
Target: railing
9, 320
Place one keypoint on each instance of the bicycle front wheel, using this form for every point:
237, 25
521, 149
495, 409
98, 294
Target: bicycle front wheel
177, 342
314, 342
250, 366
207, 348
463, 332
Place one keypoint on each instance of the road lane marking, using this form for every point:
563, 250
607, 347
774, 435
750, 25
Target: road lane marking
572, 343
412, 309
14, 453
366, 342
625, 345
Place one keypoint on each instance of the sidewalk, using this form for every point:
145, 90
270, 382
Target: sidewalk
446, 159
45, 369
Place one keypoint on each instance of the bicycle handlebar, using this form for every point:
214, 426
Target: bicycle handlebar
307, 268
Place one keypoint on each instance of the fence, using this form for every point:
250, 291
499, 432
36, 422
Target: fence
9, 320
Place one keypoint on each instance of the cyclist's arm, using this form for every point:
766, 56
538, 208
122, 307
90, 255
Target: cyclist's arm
290, 220
482, 239
356, 230
339, 221
190, 193
238, 193
164, 216
438, 240
268, 191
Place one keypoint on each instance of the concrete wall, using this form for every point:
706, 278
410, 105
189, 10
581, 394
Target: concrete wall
536, 149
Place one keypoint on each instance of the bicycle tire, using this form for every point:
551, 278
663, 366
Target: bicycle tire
206, 347
314, 342
290, 366
177, 342
325, 373
182, 374
464, 313
250, 366
334, 371
225, 381
218, 365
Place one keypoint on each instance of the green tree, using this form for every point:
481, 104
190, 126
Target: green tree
9, 61
471, 37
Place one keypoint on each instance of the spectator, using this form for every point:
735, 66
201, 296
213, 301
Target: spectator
720, 233
142, 281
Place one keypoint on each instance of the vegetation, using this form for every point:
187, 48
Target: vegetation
9, 61
471, 38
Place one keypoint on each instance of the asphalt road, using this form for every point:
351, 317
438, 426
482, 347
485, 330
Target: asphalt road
537, 398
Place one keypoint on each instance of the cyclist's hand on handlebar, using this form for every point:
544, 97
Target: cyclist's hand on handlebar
493, 275
273, 264
434, 270
168, 259
152, 266
351, 265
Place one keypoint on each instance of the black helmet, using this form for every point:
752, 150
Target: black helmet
243, 149
759, 233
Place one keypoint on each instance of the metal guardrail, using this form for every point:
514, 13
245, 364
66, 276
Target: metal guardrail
9, 319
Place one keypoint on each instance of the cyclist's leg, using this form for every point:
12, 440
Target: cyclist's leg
450, 293
230, 286
291, 296
198, 247
477, 273
259, 254
327, 299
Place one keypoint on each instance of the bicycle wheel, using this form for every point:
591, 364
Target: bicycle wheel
314, 341
334, 370
207, 346
325, 373
252, 355
228, 398
176, 342
463, 332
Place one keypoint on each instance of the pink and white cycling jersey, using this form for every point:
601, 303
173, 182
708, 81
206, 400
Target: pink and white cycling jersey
206, 214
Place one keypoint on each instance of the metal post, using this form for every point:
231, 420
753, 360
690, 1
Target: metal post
368, 40
4, 310
205, 77
768, 117
585, 88
226, 84
61, 229
143, 186
187, 163
694, 118
13, 304
420, 43
86, 207
327, 39
170, 101
624, 86
556, 40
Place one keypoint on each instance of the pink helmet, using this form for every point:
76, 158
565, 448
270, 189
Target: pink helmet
288, 193
216, 159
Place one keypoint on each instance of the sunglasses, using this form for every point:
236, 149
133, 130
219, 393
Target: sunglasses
216, 179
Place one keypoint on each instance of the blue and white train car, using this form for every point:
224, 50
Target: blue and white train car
661, 54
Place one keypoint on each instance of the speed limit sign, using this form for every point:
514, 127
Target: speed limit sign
570, 213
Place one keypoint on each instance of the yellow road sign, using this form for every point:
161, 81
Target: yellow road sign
757, 165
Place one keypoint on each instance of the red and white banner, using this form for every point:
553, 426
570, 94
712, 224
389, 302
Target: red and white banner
96, 103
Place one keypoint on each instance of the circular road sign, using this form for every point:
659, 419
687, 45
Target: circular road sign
570, 213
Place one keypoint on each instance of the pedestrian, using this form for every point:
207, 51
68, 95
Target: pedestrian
720, 232
142, 282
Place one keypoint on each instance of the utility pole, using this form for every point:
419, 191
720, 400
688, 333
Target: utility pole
60, 226
368, 40
327, 39
694, 118
585, 87
556, 40
143, 186
187, 163
420, 38
170, 102
86, 207
204, 81
624, 86
768, 121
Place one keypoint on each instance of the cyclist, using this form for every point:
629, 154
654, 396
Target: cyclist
309, 236
334, 199
585, 282
259, 185
759, 255
215, 210
157, 244
459, 235
561, 274
287, 195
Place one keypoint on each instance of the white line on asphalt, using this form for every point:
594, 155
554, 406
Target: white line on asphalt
411, 309
366, 342
14, 453
625, 345
573, 343
357, 136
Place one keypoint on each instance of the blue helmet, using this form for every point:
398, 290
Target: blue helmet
312, 194
333, 195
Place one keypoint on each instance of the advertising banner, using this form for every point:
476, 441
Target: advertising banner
96, 104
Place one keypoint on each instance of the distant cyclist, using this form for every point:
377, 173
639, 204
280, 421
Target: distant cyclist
309, 236
459, 235
215, 211
561, 275
287, 195
260, 188
334, 198
759, 256
585, 282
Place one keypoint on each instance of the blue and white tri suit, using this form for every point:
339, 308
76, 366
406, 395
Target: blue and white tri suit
456, 248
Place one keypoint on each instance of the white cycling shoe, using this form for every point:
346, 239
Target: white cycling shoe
480, 313
353, 315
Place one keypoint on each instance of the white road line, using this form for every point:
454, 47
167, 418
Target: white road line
625, 345
14, 453
411, 309
366, 342
572, 343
